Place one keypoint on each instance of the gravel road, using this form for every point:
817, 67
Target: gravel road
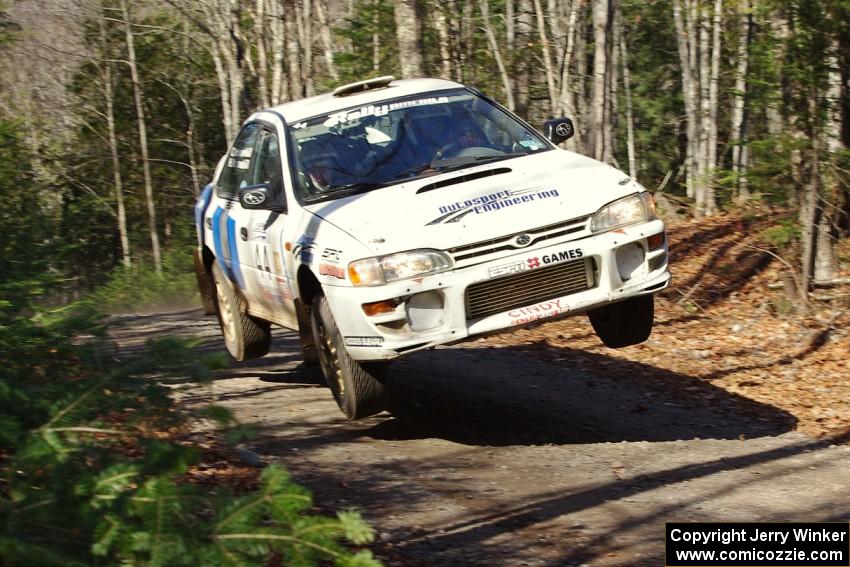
491, 456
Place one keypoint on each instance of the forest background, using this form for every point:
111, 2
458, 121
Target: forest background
114, 114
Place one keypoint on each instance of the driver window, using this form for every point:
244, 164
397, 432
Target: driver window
237, 170
267, 167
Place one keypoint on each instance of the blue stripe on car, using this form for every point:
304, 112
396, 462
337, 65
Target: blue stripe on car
200, 208
235, 268
217, 244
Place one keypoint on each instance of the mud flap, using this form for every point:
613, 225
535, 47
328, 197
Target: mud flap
205, 284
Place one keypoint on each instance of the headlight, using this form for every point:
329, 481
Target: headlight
395, 267
628, 210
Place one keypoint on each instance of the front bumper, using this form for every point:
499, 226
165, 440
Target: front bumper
432, 310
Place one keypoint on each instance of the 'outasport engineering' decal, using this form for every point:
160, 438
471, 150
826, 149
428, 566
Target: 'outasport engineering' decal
492, 202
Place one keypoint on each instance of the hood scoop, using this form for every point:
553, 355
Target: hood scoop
463, 179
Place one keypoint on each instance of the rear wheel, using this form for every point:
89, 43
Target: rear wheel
357, 387
245, 337
625, 323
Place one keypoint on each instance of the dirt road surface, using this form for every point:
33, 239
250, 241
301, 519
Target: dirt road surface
492, 456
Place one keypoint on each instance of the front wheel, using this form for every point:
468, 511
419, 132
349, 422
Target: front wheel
625, 323
245, 336
357, 387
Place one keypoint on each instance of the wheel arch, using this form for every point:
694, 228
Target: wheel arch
308, 289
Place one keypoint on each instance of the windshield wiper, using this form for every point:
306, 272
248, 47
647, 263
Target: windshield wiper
348, 190
462, 161
452, 163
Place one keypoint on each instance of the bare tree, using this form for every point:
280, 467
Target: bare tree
739, 109
327, 40
109, 103
305, 29
698, 39
376, 37
630, 121
279, 88
494, 48
293, 49
138, 97
409, 37
441, 24
567, 96
600, 10
519, 68
825, 260
547, 57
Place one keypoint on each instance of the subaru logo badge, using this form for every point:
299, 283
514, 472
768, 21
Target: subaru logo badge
254, 197
522, 240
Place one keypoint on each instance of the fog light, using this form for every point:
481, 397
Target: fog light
425, 310
379, 307
656, 241
630, 261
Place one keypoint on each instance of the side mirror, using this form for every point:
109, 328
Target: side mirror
260, 197
558, 130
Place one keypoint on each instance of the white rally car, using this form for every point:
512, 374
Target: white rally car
393, 216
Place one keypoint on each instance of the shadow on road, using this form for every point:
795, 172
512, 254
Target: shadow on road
502, 396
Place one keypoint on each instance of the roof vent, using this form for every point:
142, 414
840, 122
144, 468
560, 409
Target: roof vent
360, 86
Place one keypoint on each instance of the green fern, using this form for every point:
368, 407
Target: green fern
83, 484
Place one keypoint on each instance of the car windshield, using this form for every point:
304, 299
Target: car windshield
380, 144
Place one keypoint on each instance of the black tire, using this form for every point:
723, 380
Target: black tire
245, 337
357, 388
625, 323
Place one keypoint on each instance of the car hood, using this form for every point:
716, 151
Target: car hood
536, 190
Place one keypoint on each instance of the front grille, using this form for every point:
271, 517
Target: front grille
483, 251
527, 288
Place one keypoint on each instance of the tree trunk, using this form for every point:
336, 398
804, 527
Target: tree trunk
547, 58
739, 114
259, 17
825, 266
467, 33
327, 40
686, 42
581, 91
630, 122
494, 47
442, 26
409, 37
600, 67
120, 210
278, 88
376, 37
717, 25
520, 67
567, 96
293, 50
307, 46
700, 192
143, 137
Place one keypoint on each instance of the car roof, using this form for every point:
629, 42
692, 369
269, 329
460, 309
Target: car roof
327, 103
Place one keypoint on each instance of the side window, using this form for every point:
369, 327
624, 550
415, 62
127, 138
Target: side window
267, 167
237, 170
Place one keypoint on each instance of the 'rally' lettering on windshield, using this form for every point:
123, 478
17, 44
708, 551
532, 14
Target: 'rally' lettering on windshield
380, 110
492, 202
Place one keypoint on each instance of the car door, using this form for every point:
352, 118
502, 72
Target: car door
227, 220
267, 272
